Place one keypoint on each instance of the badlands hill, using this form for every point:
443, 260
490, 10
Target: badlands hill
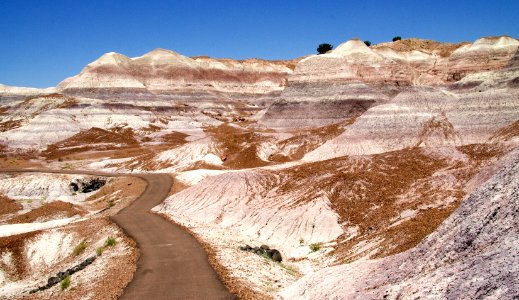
378, 172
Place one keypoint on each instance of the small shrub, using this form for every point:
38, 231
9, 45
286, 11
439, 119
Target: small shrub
65, 283
80, 248
111, 203
99, 251
323, 48
396, 38
368, 43
265, 256
291, 269
315, 247
110, 241
301, 241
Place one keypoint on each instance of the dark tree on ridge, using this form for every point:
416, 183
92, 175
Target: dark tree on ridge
323, 48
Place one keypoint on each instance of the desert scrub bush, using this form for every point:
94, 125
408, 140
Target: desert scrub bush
79, 248
99, 251
397, 38
65, 283
111, 203
301, 241
368, 43
315, 247
110, 241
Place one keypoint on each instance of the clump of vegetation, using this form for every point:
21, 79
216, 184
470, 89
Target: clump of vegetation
265, 256
368, 43
397, 38
110, 241
65, 283
291, 269
111, 203
315, 247
79, 248
301, 241
99, 251
323, 48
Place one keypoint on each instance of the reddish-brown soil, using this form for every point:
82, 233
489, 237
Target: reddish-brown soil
10, 125
309, 140
507, 132
238, 146
90, 139
16, 245
49, 211
8, 206
174, 138
67, 103
3, 110
367, 193
436, 125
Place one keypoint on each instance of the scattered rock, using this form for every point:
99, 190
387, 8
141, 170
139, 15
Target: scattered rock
52, 281
246, 248
273, 254
87, 186
276, 256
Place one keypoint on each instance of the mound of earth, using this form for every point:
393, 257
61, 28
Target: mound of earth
49, 211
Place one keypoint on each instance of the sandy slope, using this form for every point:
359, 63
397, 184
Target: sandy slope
472, 254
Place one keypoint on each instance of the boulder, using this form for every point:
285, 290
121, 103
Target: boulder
52, 281
265, 247
276, 256
246, 248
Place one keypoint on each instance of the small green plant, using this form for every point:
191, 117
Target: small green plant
99, 251
79, 248
301, 241
110, 241
315, 247
368, 43
111, 203
65, 283
397, 38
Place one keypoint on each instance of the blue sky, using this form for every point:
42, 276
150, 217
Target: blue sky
44, 42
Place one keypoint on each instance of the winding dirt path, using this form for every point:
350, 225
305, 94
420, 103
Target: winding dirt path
172, 264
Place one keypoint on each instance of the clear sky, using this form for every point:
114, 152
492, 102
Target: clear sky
44, 42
